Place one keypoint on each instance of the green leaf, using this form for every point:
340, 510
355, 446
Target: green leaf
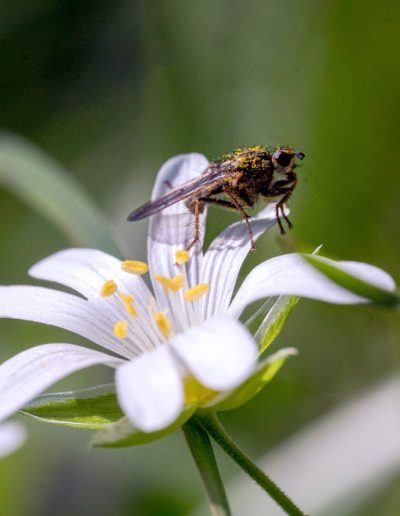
90, 409
265, 371
42, 183
274, 321
123, 434
358, 286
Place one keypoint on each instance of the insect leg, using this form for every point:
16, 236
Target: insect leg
196, 225
239, 208
278, 219
280, 208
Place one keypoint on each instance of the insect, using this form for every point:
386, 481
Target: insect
236, 181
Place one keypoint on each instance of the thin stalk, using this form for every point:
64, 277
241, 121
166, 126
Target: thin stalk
212, 425
203, 455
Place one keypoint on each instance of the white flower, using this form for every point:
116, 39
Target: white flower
12, 436
173, 348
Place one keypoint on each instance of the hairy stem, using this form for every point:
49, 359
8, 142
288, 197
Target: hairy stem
212, 425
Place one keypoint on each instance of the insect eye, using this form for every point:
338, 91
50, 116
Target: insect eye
283, 158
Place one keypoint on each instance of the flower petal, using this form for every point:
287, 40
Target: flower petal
150, 390
225, 256
27, 374
12, 436
60, 309
220, 353
86, 271
291, 275
173, 228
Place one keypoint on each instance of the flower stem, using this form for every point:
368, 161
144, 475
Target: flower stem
203, 455
212, 425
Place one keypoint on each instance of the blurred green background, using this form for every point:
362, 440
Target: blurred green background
111, 90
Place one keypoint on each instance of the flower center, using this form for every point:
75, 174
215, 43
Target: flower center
142, 325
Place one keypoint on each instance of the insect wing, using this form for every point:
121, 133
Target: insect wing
180, 193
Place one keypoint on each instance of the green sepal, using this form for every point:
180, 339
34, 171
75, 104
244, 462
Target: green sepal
356, 285
264, 372
90, 409
45, 185
275, 321
123, 434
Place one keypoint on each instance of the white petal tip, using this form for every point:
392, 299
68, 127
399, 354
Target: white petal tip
150, 390
12, 436
220, 353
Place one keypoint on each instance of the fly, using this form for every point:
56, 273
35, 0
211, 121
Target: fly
236, 181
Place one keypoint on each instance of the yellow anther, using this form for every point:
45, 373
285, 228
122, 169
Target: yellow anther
126, 298
131, 309
109, 288
195, 292
121, 329
181, 257
174, 284
134, 267
128, 302
163, 323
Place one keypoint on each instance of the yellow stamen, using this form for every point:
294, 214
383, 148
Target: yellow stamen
126, 298
195, 292
181, 257
121, 329
174, 284
163, 323
128, 302
131, 309
134, 267
109, 288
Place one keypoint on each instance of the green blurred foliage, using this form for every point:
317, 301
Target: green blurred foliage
112, 89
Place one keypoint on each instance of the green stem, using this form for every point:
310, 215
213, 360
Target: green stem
203, 455
212, 425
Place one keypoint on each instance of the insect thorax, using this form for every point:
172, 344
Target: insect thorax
253, 160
